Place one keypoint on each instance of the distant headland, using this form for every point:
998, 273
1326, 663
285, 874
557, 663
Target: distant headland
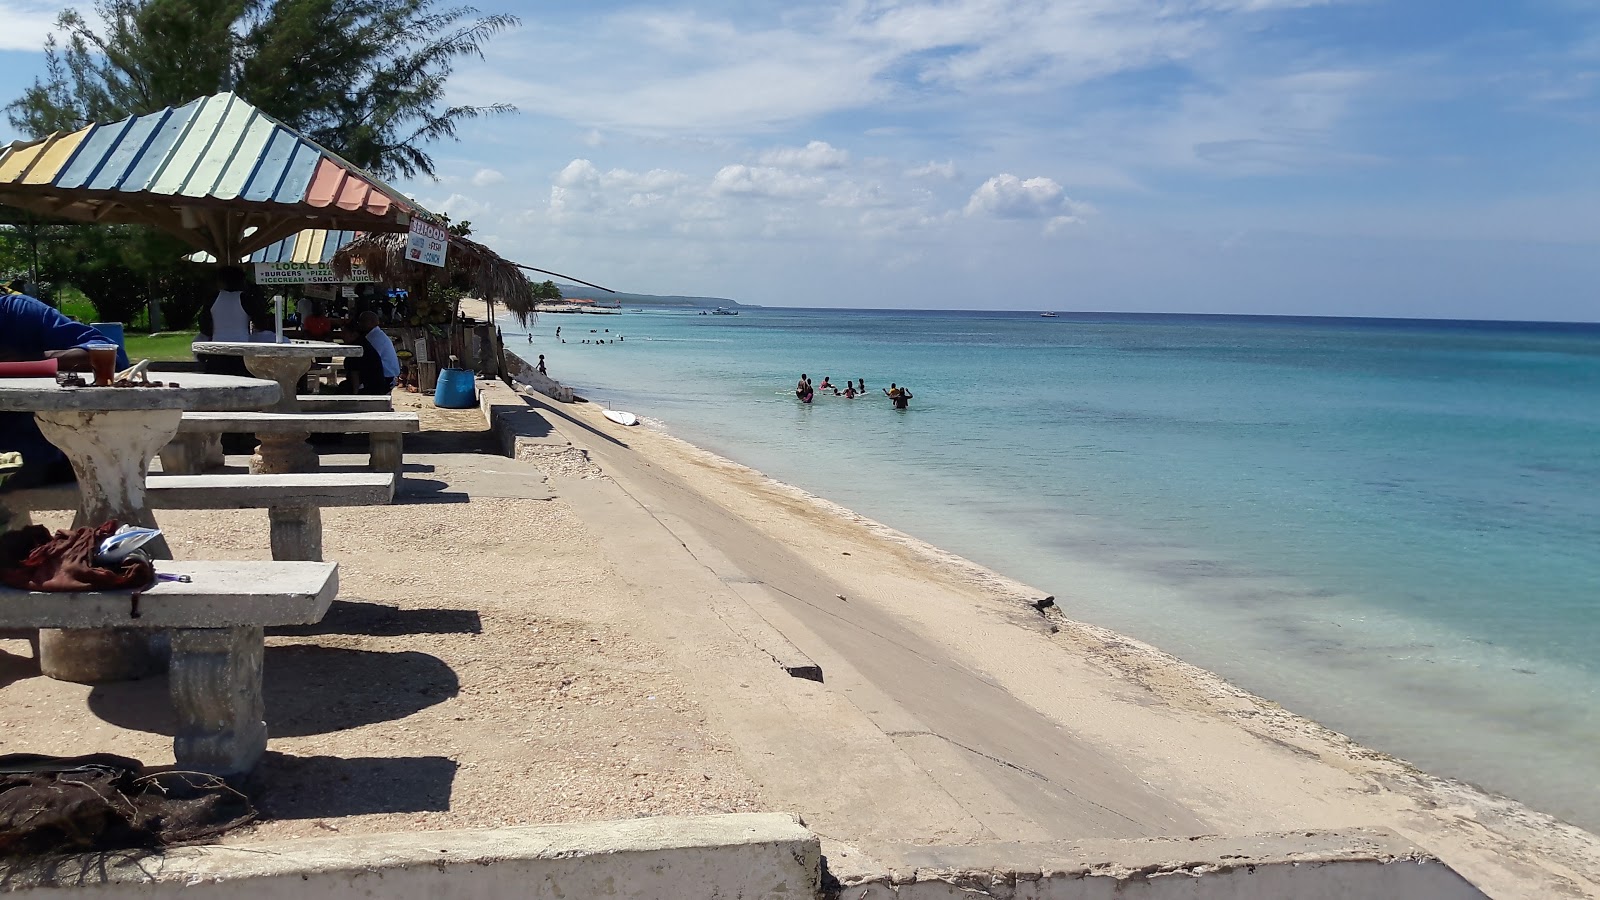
576, 298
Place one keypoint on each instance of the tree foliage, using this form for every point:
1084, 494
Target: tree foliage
118, 268
364, 78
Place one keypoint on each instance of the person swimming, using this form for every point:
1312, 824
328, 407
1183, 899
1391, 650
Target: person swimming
826, 385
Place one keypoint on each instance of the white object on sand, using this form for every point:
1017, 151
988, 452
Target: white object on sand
620, 417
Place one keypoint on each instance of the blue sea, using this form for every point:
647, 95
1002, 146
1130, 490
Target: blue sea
1390, 526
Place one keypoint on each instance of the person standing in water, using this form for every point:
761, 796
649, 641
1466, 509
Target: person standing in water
803, 390
899, 396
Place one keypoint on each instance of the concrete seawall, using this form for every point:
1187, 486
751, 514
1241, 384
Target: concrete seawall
750, 855
1356, 864
753, 856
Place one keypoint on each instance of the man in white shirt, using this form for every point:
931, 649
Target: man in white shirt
234, 315
378, 366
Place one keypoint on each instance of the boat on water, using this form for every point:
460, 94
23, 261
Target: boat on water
724, 311
1047, 315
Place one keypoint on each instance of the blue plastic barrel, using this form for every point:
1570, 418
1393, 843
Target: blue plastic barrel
112, 332
457, 389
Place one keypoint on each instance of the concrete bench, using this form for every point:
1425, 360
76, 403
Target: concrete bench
217, 643
293, 502
343, 403
312, 403
185, 454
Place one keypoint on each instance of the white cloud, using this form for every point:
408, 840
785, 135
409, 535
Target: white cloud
738, 202
487, 178
26, 25
627, 197
657, 70
815, 155
763, 181
1058, 223
1265, 125
853, 195
579, 171
945, 170
1009, 197
460, 206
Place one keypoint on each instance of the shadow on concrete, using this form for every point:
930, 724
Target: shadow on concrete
72, 870
318, 787
309, 690
477, 441
524, 422
451, 442
379, 620
427, 490
14, 666
577, 423
331, 462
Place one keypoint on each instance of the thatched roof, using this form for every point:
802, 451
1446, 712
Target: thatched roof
486, 273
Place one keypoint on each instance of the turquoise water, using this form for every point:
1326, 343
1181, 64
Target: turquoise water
1392, 527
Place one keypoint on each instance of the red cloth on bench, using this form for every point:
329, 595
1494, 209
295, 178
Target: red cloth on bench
32, 560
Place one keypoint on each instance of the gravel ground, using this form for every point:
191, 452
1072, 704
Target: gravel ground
479, 669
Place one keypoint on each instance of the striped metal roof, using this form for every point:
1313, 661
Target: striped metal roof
313, 245
174, 166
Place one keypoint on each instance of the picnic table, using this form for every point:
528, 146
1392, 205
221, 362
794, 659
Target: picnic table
280, 452
110, 435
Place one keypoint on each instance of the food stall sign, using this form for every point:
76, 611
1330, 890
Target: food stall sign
426, 243
308, 273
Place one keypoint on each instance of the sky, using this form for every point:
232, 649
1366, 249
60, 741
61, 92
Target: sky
1433, 158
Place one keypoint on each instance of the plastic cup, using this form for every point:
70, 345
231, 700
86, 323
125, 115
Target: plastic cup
103, 360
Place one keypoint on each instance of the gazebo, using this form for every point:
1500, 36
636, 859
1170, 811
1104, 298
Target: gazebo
218, 173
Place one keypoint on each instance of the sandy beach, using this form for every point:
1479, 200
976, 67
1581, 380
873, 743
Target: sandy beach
606, 627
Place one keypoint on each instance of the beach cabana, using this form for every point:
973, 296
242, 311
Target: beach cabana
218, 173
482, 272
469, 265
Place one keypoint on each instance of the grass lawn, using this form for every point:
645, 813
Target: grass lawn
74, 305
163, 347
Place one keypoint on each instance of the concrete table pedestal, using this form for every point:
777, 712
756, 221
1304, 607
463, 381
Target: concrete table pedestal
110, 435
110, 451
286, 364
